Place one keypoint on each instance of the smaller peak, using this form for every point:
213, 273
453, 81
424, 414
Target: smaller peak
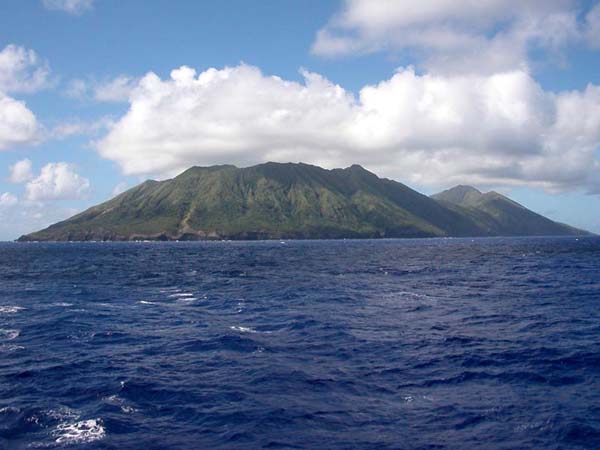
461, 195
464, 188
197, 169
358, 169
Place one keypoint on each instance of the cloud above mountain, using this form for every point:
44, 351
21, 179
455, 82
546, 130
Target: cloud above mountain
57, 181
499, 129
457, 36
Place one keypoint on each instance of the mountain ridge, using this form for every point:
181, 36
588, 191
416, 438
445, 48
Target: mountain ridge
294, 200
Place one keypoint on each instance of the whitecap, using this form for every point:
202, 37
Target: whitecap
62, 304
62, 413
9, 309
104, 305
181, 295
243, 329
9, 335
9, 410
144, 302
82, 432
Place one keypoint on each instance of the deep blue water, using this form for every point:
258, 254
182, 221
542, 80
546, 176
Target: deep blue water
432, 344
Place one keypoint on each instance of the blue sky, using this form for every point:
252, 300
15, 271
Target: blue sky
425, 93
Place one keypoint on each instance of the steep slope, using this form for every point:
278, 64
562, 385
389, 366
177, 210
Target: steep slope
499, 215
271, 201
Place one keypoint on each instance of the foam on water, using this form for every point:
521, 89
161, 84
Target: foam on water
10, 309
82, 432
187, 300
243, 329
9, 335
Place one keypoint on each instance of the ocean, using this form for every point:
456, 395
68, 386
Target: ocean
376, 344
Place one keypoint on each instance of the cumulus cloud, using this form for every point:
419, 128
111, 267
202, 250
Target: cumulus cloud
500, 129
452, 36
75, 7
40, 205
18, 125
57, 181
21, 70
20, 172
7, 200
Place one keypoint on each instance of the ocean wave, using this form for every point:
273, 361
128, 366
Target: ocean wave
120, 402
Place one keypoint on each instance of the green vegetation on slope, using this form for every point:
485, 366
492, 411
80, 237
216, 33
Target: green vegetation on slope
272, 200
498, 215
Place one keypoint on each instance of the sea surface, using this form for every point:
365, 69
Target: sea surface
399, 344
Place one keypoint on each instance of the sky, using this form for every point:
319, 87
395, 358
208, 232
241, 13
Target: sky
99, 95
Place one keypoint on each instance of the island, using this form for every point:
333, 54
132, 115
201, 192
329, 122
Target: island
295, 201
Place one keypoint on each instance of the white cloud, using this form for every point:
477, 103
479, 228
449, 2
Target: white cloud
18, 125
119, 189
593, 27
77, 89
501, 129
7, 200
74, 7
20, 172
80, 127
116, 90
452, 35
17, 218
21, 70
57, 181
